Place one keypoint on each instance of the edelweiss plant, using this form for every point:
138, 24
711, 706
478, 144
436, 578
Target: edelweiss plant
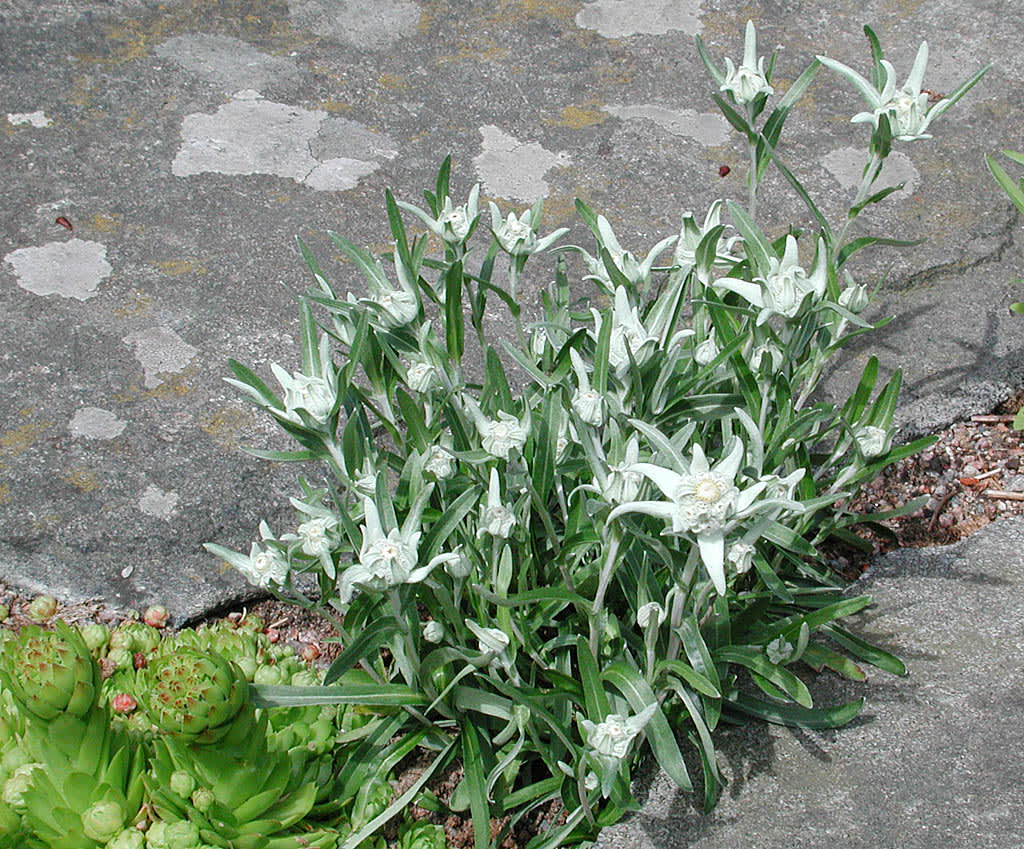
612, 541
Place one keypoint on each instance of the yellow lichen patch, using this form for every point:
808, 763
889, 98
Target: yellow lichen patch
84, 479
223, 425
80, 93
22, 438
5, 494
174, 385
578, 117
178, 267
559, 211
139, 304
392, 82
334, 106
103, 222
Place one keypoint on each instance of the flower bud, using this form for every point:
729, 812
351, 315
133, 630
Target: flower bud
95, 636
42, 607
203, 798
706, 351
129, 838
873, 441
17, 784
103, 821
156, 615
855, 298
433, 631
123, 703
649, 613
182, 783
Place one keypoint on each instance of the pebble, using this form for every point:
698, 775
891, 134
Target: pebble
946, 520
1015, 484
970, 471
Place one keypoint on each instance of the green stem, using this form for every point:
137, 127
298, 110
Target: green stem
871, 172
611, 556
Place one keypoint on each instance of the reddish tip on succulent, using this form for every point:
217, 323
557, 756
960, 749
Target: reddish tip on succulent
123, 703
156, 615
42, 607
138, 660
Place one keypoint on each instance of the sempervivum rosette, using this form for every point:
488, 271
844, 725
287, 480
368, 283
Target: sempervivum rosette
49, 673
192, 694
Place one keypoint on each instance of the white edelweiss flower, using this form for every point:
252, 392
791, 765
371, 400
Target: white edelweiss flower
365, 482
495, 518
873, 441
706, 351
460, 566
855, 298
422, 375
906, 108
691, 234
779, 650
748, 80
392, 306
759, 354
587, 403
315, 535
494, 644
265, 567
433, 631
649, 613
635, 271
499, 436
784, 288
628, 336
454, 223
622, 482
740, 555
386, 560
439, 460
517, 235
611, 737
703, 501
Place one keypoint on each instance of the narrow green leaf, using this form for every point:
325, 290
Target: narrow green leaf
370, 638
1013, 190
818, 657
249, 378
866, 651
454, 322
473, 766
797, 717
755, 660
689, 675
601, 364
659, 733
754, 241
594, 695
370, 695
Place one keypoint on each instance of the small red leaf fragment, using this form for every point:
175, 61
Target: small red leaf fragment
724, 170
64, 222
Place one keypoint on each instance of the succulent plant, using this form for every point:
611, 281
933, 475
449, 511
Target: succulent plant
192, 694
420, 834
42, 607
49, 673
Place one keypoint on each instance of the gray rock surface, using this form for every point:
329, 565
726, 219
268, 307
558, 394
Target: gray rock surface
934, 759
188, 143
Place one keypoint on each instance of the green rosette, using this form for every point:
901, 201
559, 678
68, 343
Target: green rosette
192, 694
49, 673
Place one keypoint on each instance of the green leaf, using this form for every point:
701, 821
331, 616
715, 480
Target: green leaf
370, 638
866, 651
454, 322
475, 778
689, 675
794, 716
754, 241
754, 660
855, 245
659, 733
1013, 190
818, 657
594, 695
601, 364
249, 378
455, 513
368, 695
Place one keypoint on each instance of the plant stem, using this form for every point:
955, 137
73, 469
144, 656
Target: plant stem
611, 556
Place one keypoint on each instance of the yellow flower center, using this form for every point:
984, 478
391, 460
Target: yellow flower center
707, 489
